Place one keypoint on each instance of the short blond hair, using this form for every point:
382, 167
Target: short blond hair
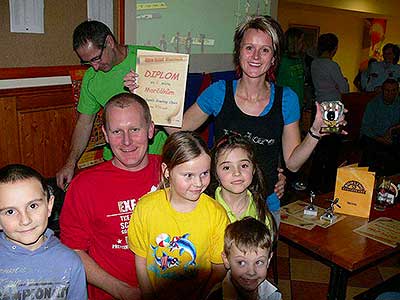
124, 100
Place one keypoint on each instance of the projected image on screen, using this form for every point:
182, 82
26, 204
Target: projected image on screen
193, 26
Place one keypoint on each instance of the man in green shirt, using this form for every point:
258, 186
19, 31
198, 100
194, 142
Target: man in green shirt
109, 62
291, 73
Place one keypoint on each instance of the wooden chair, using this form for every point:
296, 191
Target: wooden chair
355, 103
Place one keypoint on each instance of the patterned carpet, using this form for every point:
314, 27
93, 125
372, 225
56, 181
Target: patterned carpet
303, 278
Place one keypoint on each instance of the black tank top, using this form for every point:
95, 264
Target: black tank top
265, 132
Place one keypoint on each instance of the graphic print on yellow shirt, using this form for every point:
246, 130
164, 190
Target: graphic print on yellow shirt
175, 251
171, 253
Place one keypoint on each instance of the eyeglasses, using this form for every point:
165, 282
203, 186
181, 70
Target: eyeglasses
97, 58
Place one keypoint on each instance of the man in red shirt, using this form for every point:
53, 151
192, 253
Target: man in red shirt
100, 201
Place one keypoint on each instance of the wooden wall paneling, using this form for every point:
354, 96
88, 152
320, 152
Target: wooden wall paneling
45, 137
40, 123
36, 123
9, 142
61, 126
31, 141
45, 97
33, 72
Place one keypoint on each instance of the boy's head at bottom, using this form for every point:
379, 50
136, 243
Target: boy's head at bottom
25, 205
247, 253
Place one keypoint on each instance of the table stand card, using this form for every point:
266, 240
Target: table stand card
162, 83
354, 189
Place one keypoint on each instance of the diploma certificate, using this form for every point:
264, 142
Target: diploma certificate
162, 83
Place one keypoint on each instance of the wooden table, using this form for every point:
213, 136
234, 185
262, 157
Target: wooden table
337, 246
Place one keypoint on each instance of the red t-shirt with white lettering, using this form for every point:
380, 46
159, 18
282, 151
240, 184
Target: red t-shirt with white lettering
96, 212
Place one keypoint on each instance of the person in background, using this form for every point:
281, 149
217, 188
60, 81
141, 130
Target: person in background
327, 76
291, 73
32, 259
380, 131
329, 84
255, 107
380, 71
395, 295
177, 233
100, 200
247, 253
291, 69
109, 61
361, 80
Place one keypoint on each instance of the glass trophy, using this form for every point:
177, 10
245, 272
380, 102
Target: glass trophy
332, 112
329, 214
310, 209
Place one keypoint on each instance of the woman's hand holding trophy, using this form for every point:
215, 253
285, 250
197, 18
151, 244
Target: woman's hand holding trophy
333, 117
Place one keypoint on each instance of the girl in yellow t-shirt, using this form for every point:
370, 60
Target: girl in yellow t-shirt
177, 232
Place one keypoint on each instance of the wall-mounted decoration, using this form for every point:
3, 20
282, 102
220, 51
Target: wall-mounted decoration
311, 34
374, 36
26, 16
373, 40
246, 8
191, 26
